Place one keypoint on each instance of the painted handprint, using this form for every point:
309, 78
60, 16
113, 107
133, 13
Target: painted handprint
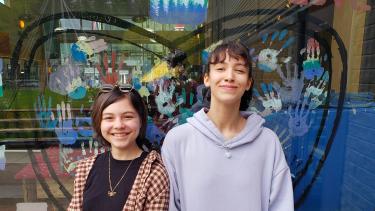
85, 48
268, 58
64, 129
270, 101
164, 99
298, 119
311, 66
292, 87
83, 124
316, 93
362, 7
111, 74
43, 113
60, 81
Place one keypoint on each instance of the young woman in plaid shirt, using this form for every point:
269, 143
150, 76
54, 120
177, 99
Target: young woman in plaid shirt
126, 177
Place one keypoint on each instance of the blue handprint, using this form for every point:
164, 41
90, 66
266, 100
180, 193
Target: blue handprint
268, 57
64, 130
84, 125
44, 114
298, 119
77, 93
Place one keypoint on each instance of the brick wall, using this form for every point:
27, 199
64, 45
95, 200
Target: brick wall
358, 188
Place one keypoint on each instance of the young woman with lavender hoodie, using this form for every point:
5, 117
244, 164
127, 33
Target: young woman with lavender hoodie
222, 158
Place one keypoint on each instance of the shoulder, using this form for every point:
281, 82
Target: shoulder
85, 165
270, 134
179, 131
274, 146
177, 135
157, 171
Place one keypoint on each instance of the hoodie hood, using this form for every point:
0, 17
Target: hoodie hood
248, 134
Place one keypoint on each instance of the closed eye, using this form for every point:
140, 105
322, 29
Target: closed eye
241, 71
107, 118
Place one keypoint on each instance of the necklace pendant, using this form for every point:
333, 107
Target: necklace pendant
111, 193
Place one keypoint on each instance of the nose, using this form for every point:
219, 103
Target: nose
118, 123
229, 75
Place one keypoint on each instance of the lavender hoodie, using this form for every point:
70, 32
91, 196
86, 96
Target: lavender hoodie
247, 172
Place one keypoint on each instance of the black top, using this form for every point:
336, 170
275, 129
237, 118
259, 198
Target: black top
95, 194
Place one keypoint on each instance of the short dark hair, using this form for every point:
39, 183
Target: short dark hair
103, 100
235, 49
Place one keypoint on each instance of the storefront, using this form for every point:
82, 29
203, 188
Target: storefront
313, 67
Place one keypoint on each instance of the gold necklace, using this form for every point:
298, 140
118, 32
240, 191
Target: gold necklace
112, 191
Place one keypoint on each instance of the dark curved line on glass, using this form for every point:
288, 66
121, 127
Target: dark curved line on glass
300, 174
206, 26
343, 55
54, 176
91, 16
42, 182
43, 39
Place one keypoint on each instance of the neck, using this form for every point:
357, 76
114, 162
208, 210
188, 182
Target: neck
128, 154
227, 119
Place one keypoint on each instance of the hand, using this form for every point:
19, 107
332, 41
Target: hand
65, 79
299, 2
311, 65
64, 130
164, 99
297, 123
291, 91
110, 78
84, 125
270, 101
268, 57
316, 94
44, 114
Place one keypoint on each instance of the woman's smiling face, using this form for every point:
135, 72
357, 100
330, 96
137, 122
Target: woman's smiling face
120, 124
228, 80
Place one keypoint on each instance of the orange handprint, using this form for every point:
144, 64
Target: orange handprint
111, 75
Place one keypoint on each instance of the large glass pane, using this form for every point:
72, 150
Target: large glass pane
313, 69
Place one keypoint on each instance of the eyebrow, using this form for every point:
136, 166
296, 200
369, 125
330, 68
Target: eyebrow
126, 112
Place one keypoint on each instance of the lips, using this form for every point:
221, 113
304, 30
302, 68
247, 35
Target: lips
119, 134
229, 87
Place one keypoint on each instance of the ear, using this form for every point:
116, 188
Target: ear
206, 80
249, 83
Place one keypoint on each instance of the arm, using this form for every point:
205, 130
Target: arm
281, 196
158, 192
76, 202
174, 198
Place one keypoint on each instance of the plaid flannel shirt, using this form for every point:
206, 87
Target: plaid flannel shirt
150, 190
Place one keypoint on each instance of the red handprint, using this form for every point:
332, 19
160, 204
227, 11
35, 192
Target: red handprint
110, 77
361, 7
